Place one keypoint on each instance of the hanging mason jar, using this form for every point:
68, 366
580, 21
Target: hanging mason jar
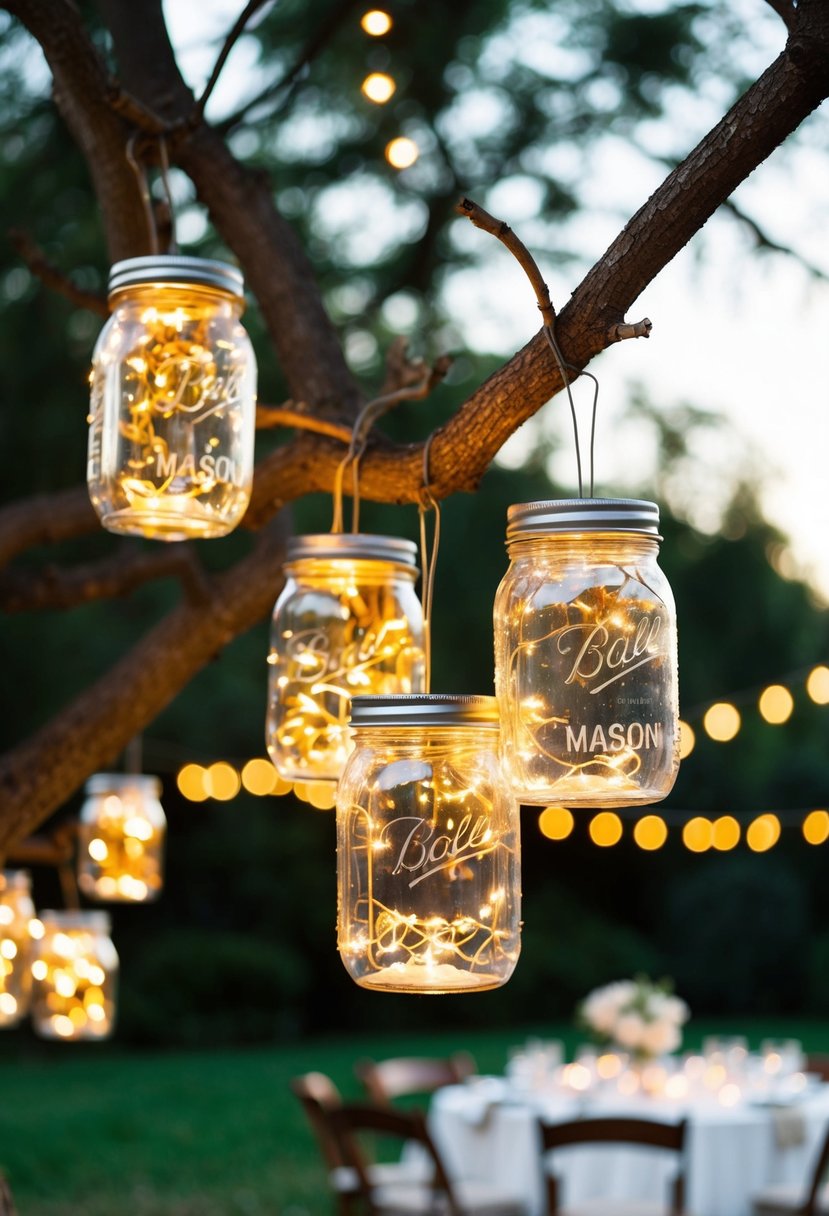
428, 859
348, 621
17, 912
586, 655
121, 835
74, 976
173, 406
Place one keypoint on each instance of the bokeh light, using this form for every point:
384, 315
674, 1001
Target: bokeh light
402, 153
817, 685
721, 721
378, 87
556, 822
725, 833
222, 781
816, 827
605, 829
650, 832
687, 740
763, 833
191, 782
376, 22
698, 834
776, 704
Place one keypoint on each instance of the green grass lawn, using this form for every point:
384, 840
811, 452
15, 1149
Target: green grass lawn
88, 1129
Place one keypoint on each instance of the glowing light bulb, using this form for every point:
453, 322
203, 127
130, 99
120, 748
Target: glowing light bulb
722, 721
378, 87
401, 153
376, 22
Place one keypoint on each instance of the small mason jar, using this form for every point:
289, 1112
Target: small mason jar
348, 621
428, 840
586, 655
173, 401
121, 833
74, 974
17, 911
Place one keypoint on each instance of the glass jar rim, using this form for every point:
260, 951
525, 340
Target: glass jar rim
550, 516
360, 546
15, 878
424, 709
115, 783
77, 918
175, 270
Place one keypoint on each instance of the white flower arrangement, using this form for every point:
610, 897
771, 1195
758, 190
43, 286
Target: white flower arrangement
637, 1016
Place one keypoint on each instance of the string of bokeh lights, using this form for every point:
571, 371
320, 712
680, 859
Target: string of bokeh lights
380, 87
721, 721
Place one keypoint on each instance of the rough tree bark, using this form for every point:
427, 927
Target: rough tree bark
151, 96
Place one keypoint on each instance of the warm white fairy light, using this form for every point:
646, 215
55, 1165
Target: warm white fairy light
402, 152
74, 977
378, 87
16, 919
121, 835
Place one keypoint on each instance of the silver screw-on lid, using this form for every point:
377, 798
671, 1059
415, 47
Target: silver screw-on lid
582, 515
116, 783
363, 546
77, 918
168, 268
424, 709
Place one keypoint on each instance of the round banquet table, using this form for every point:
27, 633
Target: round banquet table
487, 1129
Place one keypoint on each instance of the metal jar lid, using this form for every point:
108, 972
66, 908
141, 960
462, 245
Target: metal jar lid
116, 783
582, 515
174, 269
362, 546
77, 918
425, 709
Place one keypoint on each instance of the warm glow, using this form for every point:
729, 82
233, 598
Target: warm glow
73, 993
776, 704
191, 782
260, 777
816, 827
376, 22
121, 839
222, 781
722, 721
650, 832
687, 740
725, 833
817, 685
378, 87
605, 829
321, 794
556, 822
763, 833
402, 153
697, 835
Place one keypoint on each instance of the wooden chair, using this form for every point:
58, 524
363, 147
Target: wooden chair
435, 1194
645, 1132
7, 1207
810, 1198
818, 1063
405, 1076
320, 1097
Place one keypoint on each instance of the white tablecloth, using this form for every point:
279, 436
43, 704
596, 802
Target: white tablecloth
488, 1131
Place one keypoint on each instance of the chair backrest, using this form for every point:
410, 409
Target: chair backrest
355, 1124
319, 1097
650, 1133
403, 1076
810, 1207
817, 1062
7, 1207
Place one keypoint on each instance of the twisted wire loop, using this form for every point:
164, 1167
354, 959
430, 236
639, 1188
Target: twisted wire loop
144, 190
359, 438
549, 333
427, 502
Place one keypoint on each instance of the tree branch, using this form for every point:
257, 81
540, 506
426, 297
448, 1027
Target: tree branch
51, 276
229, 43
55, 587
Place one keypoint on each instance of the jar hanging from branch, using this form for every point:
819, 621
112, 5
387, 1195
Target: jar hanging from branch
121, 835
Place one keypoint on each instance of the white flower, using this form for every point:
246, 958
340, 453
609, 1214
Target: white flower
603, 1007
630, 1031
659, 1038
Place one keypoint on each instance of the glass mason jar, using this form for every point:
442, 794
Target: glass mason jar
428, 848
121, 833
74, 974
586, 655
348, 621
173, 402
17, 912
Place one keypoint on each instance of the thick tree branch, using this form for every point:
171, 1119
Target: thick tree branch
51, 276
56, 587
91, 732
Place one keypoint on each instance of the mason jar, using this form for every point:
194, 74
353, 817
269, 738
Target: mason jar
428, 848
586, 655
17, 911
74, 976
348, 621
121, 833
173, 401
